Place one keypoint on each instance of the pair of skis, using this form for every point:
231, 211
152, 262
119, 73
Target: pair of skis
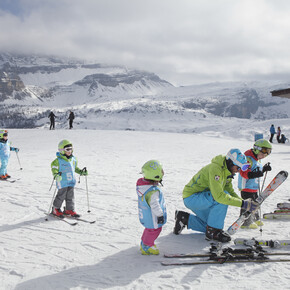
269, 243
10, 180
226, 255
273, 185
69, 222
283, 212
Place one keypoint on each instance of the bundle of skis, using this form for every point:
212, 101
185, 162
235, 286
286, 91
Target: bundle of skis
273, 185
219, 255
283, 212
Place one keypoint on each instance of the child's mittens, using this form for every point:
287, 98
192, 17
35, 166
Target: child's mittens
85, 172
58, 178
160, 220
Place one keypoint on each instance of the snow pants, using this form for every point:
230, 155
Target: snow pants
4, 163
150, 235
67, 194
207, 211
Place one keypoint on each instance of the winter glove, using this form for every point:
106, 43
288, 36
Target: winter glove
267, 167
249, 205
84, 172
160, 220
58, 178
255, 174
16, 150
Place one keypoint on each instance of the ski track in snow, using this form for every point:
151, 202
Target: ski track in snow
39, 254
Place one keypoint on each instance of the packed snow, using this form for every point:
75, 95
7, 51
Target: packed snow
40, 254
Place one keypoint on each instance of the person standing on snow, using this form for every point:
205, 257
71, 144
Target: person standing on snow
71, 119
248, 181
52, 117
5, 148
208, 195
272, 133
278, 135
151, 204
63, 169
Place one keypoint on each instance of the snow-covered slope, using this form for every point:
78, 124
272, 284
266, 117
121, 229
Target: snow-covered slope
39, 254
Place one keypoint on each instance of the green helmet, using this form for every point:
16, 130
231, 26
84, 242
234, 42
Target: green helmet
153, 170
263, 146
3, 133
64, 144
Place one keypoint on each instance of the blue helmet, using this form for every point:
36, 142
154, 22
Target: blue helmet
238, 158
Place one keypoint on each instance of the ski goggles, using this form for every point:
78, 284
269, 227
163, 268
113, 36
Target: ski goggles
266, 151
68, 149
245, 167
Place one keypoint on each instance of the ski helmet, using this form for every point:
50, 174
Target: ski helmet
263, 146
64, 144
3, 133
237, 158
153, 170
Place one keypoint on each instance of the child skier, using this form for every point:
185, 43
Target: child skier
248, 181
5, 148
152, 209
63, 169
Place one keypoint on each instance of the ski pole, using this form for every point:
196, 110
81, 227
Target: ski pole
84, 169
265, 178
50, 206
59, 173
87, 194
18, 160
260, 210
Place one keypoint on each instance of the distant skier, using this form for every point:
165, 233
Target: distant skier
63, 169
152, 209
208, 195
272, 133
71, 119
52, 117
278, 134
283, 139
248, 181
5, 148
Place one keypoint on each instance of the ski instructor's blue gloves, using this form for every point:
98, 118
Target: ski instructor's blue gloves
249, 205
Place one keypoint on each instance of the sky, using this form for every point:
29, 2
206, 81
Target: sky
182, 41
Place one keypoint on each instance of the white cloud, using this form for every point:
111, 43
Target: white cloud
185, 42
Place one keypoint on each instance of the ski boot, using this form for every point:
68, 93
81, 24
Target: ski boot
217, 235
3, 177
146, 250
71, 213
7, 175
181, 220
57, 212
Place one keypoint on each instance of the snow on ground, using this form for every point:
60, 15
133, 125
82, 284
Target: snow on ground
39, 254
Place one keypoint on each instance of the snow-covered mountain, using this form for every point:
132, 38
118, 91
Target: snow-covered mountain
115, 97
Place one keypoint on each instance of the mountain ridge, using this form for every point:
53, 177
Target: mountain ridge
32, 86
